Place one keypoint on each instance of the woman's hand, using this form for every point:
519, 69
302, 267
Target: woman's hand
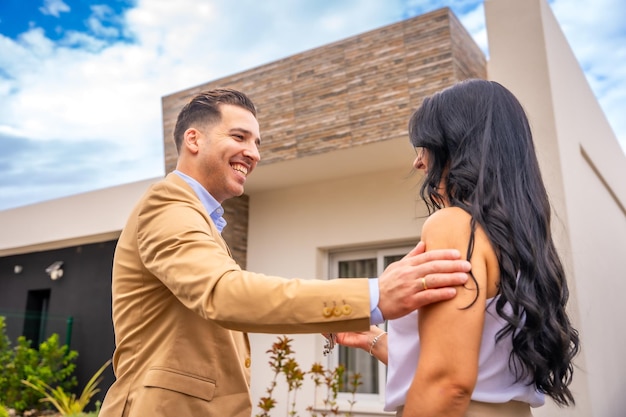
358, 340
364, 340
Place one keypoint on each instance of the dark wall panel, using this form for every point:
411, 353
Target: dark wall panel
82, 295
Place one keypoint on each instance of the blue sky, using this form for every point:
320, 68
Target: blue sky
81, 81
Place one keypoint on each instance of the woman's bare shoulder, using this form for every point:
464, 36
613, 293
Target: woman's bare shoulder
447, 220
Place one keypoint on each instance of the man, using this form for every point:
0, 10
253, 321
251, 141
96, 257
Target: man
181, 303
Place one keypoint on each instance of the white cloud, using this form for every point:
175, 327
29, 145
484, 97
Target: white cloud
99, 29
36, 44
54, 7
101, 14
81, 40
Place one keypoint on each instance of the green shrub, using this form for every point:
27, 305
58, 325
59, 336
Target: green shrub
50, 363
67, 404
3, 411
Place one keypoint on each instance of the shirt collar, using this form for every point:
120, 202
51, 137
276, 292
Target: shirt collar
215, 210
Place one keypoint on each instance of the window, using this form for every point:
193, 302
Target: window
368, 263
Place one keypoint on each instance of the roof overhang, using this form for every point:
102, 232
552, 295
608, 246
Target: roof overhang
379, 156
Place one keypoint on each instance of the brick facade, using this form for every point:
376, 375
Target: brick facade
356, 91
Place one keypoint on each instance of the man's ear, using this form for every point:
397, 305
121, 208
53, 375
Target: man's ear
190, 139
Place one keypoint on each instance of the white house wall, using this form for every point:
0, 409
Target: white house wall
584, 169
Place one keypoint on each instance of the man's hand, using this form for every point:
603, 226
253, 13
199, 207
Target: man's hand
419, 279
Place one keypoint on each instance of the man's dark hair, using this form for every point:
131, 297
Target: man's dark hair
204, 109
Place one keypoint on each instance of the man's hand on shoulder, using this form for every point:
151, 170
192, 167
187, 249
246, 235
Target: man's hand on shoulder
419, 279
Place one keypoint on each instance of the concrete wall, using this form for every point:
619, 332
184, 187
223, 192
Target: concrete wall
584, 170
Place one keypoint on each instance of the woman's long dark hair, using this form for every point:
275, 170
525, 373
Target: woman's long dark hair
478, 140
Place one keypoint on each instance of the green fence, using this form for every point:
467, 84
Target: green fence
37, 326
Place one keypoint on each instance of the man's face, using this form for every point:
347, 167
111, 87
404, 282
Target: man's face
228, 151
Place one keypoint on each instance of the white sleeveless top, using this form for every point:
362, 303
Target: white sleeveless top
495, 383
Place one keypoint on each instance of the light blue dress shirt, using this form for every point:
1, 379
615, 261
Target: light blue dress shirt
216, 212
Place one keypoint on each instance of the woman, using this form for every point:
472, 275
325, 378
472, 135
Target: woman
505, 341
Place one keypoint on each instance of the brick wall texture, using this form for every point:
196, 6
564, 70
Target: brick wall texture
359, 90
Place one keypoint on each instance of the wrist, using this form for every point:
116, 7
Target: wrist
375, 340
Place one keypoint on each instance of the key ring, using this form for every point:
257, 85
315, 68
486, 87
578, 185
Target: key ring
331, 341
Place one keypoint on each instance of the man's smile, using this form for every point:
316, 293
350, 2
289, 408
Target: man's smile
240, 168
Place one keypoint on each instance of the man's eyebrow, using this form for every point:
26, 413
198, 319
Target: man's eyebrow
245, 132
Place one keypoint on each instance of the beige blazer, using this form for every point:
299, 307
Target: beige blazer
181, 306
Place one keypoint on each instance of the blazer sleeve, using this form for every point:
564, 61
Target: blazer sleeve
179, 246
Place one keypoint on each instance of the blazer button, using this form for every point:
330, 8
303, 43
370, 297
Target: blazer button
327, 311
347, 309
337, 311
247, 362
